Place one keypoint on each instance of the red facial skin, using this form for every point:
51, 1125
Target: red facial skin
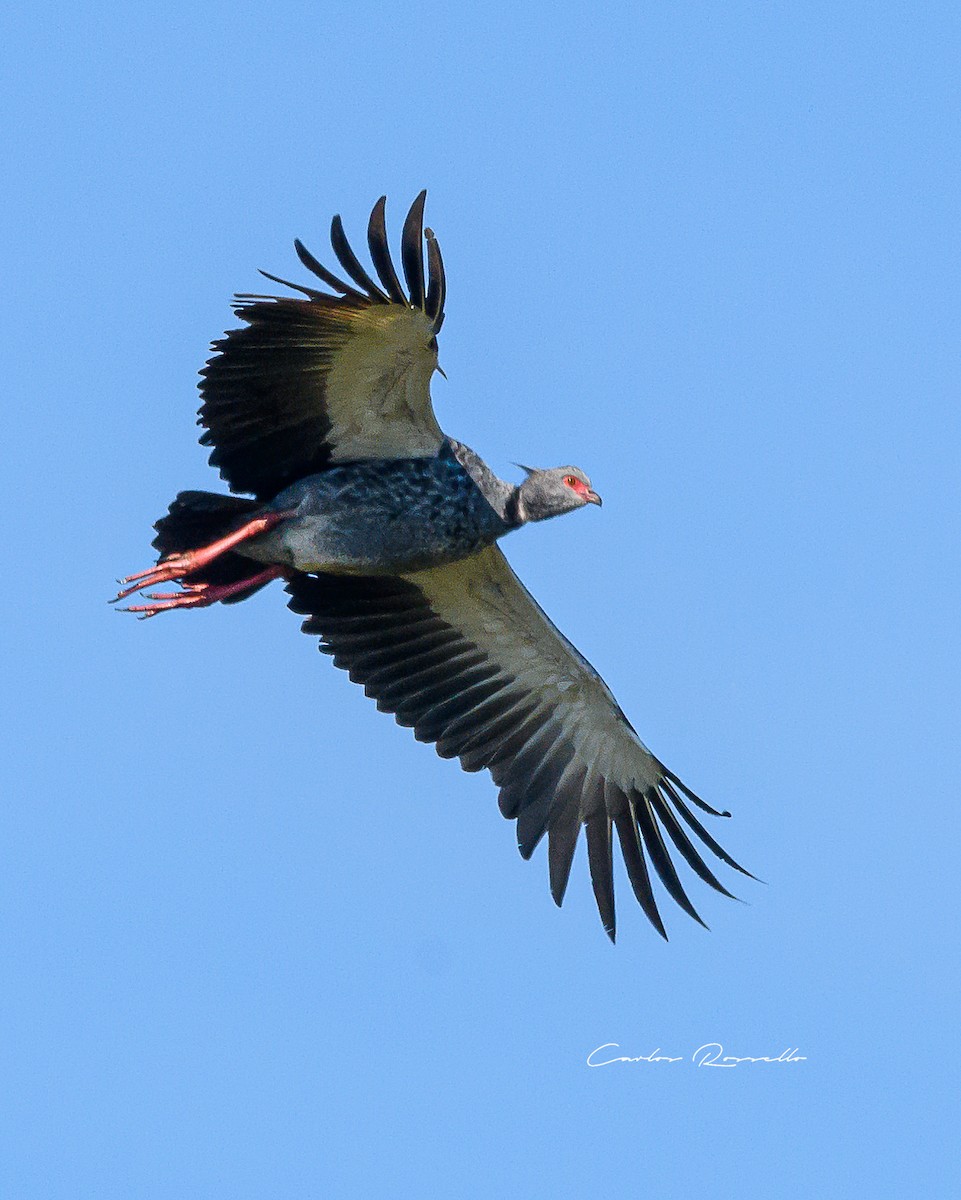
581, 489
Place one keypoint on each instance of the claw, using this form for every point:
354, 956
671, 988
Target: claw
199, 595
166, 571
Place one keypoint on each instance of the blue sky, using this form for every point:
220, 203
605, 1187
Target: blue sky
256, 941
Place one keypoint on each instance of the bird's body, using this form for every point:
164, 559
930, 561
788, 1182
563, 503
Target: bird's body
384, 517
385, 530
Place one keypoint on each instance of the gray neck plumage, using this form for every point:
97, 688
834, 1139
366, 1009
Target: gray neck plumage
503, 497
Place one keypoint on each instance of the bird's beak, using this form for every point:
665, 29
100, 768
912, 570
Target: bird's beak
440, 370
593, 498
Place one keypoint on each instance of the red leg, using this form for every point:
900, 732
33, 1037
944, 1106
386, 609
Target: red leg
175, 566
199, 595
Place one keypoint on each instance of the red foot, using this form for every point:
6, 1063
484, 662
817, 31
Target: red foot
176, 566
199, 595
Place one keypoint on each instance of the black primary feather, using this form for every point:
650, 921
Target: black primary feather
380, 252
412, 251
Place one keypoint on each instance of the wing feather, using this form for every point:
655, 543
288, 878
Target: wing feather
657, 852
308, 383
351, 263
437, 285
465, 656
328, 277
491, 730
601, 861
627, 834
380, 251
685, 846
564, 829
412, 251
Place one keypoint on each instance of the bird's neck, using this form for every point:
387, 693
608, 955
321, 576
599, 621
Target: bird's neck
514, 514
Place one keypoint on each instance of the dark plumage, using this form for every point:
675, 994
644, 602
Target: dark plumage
385, 530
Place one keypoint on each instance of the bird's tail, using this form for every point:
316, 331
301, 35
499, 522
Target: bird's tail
196, 519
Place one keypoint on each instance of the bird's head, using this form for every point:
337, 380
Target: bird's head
549, 493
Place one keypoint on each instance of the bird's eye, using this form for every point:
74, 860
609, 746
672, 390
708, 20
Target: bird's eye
571, 480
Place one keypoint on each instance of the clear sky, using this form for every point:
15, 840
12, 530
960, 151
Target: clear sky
258, 942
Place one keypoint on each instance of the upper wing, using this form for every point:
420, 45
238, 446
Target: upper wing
329, 379
464, 655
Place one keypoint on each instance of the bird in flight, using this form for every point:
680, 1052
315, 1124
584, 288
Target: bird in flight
386, 531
